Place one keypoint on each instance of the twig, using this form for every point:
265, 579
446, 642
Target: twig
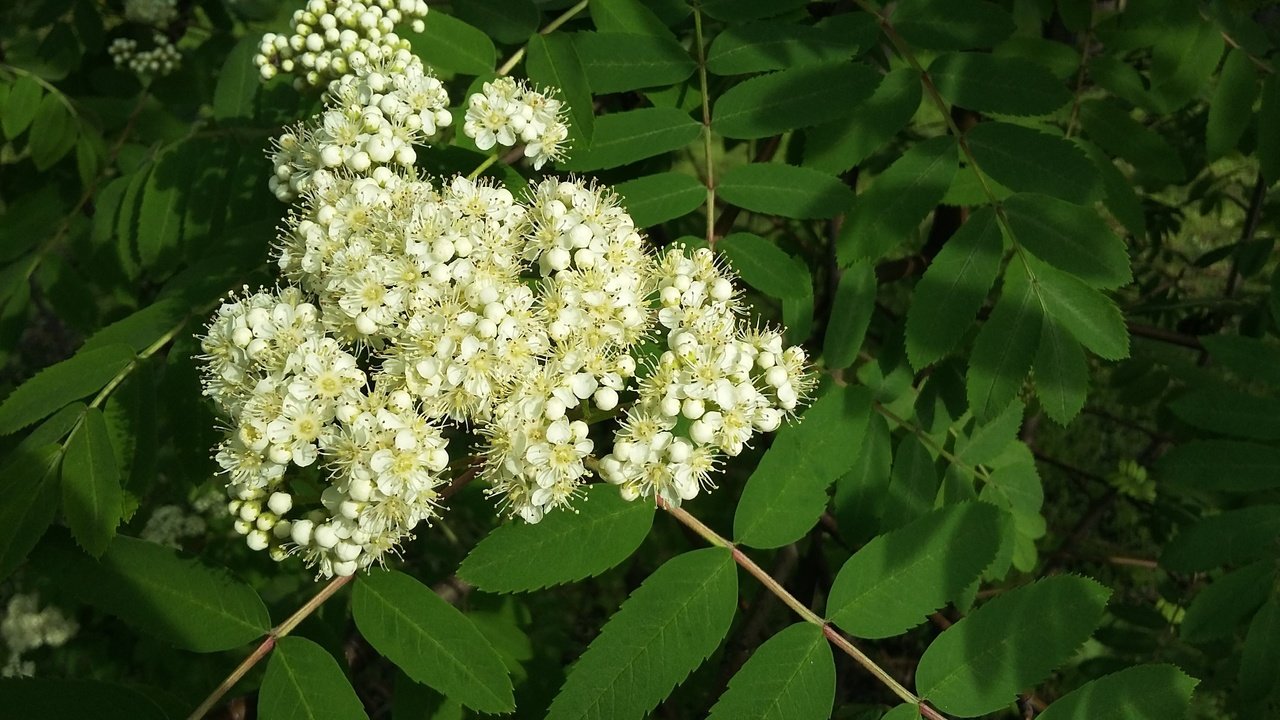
710, 171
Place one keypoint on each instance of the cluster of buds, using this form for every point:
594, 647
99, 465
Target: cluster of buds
508, 112
26, 627
331, 38
162, 59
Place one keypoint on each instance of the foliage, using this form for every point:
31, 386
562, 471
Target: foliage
1028, 246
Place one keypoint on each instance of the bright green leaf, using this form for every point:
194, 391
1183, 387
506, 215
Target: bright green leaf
892, 583
1062, 376
786, 190
792, 676
662, 632
238, 82
53, 132
553, 61
449, 44
1012, 642
564, 547
616, 62
1182, 61
994, 84
304, 682
1143, 692
766, 267
431, 641
1069, 237
92, 500
1091, 317
633, 16
164, 200
59, 384
851, 310
20, 106
789, 99
1005, 347
624, 137
655, 199
989, 439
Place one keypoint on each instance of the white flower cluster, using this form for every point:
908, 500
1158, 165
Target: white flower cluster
171, 524
331, 38
26, 627
373, 117
716, 384
508, 112
162, 59
157, 13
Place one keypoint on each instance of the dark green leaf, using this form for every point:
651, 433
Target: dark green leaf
988, 440
896, 580
633, 16
655, 199
1005, 347
1251, 359
92, 500
1121, 136
913, 486
1227, 602
1091, 317
140, 329
851, 309
1234, 537
1182, 61
953, 289
1232, 104
1229, 412
624, 137
1121, 198
238, 83
860, 493
164, 200
786, 190
1260, 661
663, 632
741, 10
997, 84
889, 213
1026, 160
59, 384
615, 62
29, 481
760, 47
944, 25
982, 662
431, 641
564, 547
1062, 377
766, 267
787, 493
552, 61
836, 146
507, 21
1226, 465
176, 599
790, 99
792, 676
450, 44
1069, 237
53, 132
56, 698
304, 682
1143, 692
20, 106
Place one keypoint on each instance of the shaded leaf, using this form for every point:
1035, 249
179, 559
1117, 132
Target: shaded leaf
1143, 692
304, 682
1233, 537
1005, 347
58, 698
766, 267
655, 199
913, 484
449, 44
92, 499
1230, 412
851, 310
624, 137
238, 82
1062, 376
760, 47
59, 384
792, 676
20, 105
1069, 237
1227, 602
989, 83
29, 481
507, 21
1121, 136
615, 62
836, 146
786, 190
790, 99
53, 132
552, 60
1226, 465
1260, 660
742, 10
943, 25
1232, 104
1026, 160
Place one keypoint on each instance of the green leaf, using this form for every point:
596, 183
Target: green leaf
654, 199
59, 384
1230, 412
1069, 237
860, 493
786, 190
1121, 136
1228, 601
1221, 465
851, 310
29, 482
897, 579
790, 99
792, 676
982, 662
732, 11
1005, 347
1026, 160
507, 21
633, 16
1232, 104
58, 698
953, 289
140, 329
662, 632
164, 200
788, 490
616, 62
1182, 61
552, 61
53, 132
1143, 692
766, 267
449, 44
431, 641
1269, 117
1062, 377
797, 314
988, 440
1091, 317
760, 47
945, 25
91, 496
564, 547
1251, 359
1260, 660
989, 83
913, 485
624, 137
20, 106
836, 146
889, 213
152, 588
1121, 198
304, 682
1234, 537
238, 82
